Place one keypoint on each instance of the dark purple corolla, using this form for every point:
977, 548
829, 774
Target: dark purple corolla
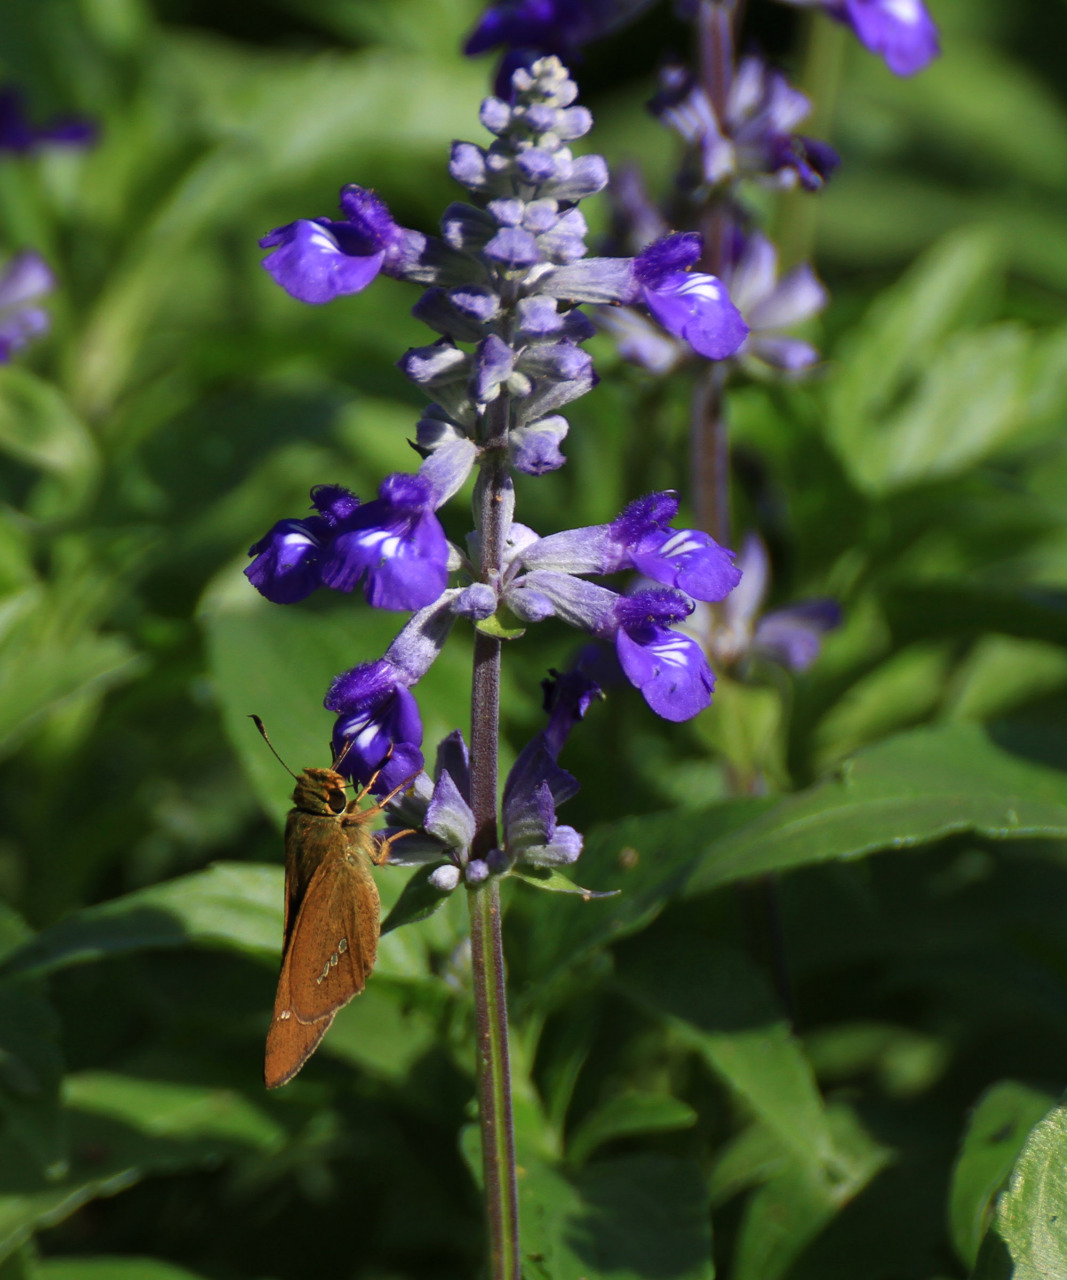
397, 542
899, 31
689, 304
288, 560
668, 668
25, 279
536, 785
378, 725
17, 134
394, 544
529, 28
318, 259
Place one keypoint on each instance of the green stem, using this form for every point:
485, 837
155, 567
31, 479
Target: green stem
494, 1082
487, 950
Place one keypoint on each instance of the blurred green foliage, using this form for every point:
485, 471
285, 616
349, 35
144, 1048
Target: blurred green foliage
672, 1124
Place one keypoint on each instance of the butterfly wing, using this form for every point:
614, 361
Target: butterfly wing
332, 916
335, 939
290, 1043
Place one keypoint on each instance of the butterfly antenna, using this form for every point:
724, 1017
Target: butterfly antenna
344, 752
263, 732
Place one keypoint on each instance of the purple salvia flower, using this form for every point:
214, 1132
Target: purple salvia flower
18, 135
528, 29
25, 279
641, 539
667, 667
757, 135
536, 784
317, 260
687, 559
288, 560
901, 32
771, 306
376, 711
791, 636
689, 304
378, 725
397, 542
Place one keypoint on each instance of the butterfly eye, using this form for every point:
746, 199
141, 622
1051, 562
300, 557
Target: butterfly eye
337, 800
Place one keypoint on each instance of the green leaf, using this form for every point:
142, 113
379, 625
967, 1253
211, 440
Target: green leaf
1028, 1240
31, 1069
899, 338
38, 427
502, 625
999, 1125
105, 1268
555, 881
625, 1115
648, 859
792, 1208
418, 900
716, 1003
907, 791
116, 1140
389, 1027
232, 905
634, 1218
162, 1109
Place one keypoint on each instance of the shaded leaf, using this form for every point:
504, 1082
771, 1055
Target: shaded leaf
643, 1216
625, 1115
236, 905
716, 1003
103, 1268
1027, 1236
793, 1207
999, 1125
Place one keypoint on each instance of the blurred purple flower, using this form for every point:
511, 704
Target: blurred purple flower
18, 135
25, 279
757, 134
770, 306
901, 32
791, 636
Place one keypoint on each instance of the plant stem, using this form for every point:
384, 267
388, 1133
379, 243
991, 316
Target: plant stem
710, 442
487, 951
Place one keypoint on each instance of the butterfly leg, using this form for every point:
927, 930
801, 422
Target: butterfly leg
380, 855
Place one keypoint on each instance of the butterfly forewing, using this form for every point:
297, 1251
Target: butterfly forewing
289, 1045
335, 939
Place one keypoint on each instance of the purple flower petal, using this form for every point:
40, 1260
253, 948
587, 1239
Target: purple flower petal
287, 565
687, 559
316, 261
668, 668
697, 307
794, 635
397, 542
378, 724
900, 31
